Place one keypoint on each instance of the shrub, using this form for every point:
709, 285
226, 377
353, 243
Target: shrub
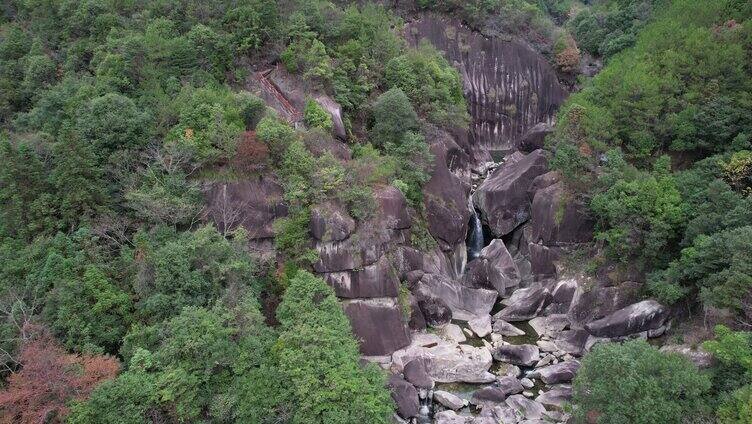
316, 116
635, 383
252, 155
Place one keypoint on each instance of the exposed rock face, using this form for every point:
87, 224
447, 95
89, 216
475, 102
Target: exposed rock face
393, 208
405, 397
525, 355
509, 87
596, 303
330, 222
377, 280
525, 304
535, 137
558, 221
449, 417
493, 269
503, 197
636, 318
543, 261
466, 303
253, 203
445, 194
379, 325
549, 325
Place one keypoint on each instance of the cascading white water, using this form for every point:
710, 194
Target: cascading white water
475, 241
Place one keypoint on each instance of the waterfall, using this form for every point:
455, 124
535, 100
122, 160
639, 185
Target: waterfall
475, 236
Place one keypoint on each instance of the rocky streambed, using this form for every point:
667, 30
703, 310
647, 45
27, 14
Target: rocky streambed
504, 337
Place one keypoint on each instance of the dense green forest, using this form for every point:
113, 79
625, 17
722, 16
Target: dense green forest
122, 303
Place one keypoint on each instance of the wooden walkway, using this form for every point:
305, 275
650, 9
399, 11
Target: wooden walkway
292, 115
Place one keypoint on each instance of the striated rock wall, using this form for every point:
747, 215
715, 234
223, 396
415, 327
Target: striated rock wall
510, 88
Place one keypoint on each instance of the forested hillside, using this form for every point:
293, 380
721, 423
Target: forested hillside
215, 212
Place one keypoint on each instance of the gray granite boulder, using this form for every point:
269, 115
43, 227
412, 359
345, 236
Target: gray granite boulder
416, 373
405, 396
525, 355
465, 302
378, 324
563, 372
558, 220
506, 329
526, 408
497, 393
331, 222
435, 312
635, 318
494, 269
524, 304
503, 199
448, 400
557, 397
481, 326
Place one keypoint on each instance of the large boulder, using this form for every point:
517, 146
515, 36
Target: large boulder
497, 393
416, 373
526, 408
506, 329
417, 319
392, 208
524, 304
379, 325
377, 280
549, 325
481, 326
503, 199
635, 318
535, 137
447, 362
405, 397
466, 303
449, 417
435, 312
445, 193
448, 400
557, 397
563, 372
330, 222
591, 303
558, 220
524, 355
543, 261
335, 111
493, 269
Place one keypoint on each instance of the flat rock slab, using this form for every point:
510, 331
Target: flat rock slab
449, 400
549, 325
448, 362
525, 355
506, 329
525, 304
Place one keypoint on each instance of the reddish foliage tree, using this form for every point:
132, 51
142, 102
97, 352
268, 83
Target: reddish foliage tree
251, 154
49, 379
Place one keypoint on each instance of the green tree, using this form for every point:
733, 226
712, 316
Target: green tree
635, 383
393, 116
316, 116
173, 270
317, 354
